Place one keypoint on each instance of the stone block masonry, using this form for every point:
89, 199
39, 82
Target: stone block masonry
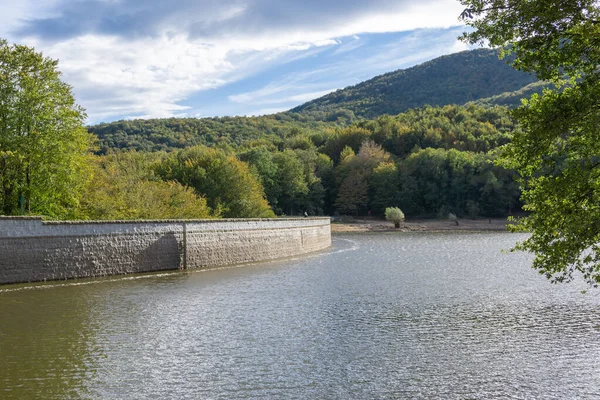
32, 250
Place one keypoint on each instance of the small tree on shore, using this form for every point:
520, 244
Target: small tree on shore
395, 215
452, 217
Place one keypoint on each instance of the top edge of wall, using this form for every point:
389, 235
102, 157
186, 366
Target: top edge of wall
136, 221
19, 218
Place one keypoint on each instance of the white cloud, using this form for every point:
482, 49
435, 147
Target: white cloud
349, 46
266, 111
15, 13
299, 87
277, 95
150, 75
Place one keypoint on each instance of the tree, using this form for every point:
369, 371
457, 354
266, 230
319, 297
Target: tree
125, 187
43, 144
264, 168
227, 184
291, 181
354, 175
558, 151
353, 193
395, 215
384, 187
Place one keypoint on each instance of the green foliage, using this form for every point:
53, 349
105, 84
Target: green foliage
125, 187
43, 144
469, 128
435, 181
292, 184
512, 99
551, 39
557, 152
452, 79
178, 133
231, 190
293, 179
395, 215
346, 154
384, 187
351, 138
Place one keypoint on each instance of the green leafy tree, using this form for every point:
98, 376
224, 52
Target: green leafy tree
558, 151
229, 187
317, 170
291, 181
43, 144
124, 187
384, 187
351, 137
265, 169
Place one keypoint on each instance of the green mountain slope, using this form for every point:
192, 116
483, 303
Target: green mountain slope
452, 79
472, 76
177, 133
513, 99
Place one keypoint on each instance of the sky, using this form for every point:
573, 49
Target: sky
202, 58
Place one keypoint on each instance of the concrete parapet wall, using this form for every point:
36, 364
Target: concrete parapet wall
32, 250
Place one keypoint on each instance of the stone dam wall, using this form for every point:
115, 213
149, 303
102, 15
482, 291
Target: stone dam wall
32, 250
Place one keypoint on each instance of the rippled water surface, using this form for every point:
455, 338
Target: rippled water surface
376, 316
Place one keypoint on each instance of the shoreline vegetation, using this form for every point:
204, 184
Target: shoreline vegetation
419, 225
425, 161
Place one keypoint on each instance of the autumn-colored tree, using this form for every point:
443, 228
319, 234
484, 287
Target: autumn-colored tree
353, 193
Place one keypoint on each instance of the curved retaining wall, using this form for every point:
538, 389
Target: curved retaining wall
32, 250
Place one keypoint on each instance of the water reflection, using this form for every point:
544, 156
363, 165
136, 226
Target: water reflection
45, 342
377, 316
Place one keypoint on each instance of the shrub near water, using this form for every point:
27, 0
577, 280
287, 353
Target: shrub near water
395, 215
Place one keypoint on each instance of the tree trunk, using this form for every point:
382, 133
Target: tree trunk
28, 198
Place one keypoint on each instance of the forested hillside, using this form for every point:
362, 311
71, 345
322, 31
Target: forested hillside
178, 133
347, 153
458, 78
428, 161
452, 79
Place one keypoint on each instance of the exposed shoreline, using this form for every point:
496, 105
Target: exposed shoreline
420, 225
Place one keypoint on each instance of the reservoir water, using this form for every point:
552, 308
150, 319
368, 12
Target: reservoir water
424, 315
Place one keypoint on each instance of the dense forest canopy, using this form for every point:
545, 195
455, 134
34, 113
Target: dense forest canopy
352, 151
428, 161
342, 159
472, 76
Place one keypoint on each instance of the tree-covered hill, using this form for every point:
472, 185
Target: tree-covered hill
452, 79
428, 161
472, 76
177, 133
513, 99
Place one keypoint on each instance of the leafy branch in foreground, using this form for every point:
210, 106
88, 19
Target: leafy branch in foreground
557, 153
